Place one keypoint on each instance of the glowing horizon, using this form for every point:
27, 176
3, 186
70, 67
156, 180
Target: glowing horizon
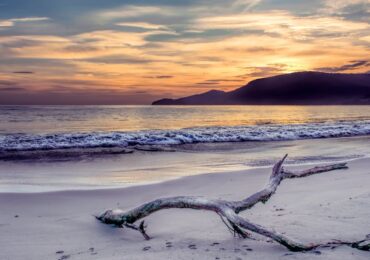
134, 52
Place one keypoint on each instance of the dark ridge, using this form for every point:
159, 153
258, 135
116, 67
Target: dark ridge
299, 88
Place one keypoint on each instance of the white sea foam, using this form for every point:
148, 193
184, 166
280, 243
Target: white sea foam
27, 142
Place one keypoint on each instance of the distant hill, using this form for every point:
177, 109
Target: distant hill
300, 88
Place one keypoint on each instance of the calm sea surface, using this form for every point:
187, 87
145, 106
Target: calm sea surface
70, 119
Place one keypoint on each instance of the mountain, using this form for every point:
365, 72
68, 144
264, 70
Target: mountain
299, 88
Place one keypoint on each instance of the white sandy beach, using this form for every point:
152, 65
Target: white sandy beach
60, 225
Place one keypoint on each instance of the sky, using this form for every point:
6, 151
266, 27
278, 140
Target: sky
138, 51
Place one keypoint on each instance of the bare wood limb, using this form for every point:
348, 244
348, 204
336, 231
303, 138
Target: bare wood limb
279, 174
240, 232
263, 196
227, 225
361, 245
280, 238
315, 170
229, 210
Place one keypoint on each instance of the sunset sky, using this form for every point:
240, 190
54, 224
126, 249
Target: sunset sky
137, 51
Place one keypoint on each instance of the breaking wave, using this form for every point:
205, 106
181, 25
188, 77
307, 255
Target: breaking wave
155, 138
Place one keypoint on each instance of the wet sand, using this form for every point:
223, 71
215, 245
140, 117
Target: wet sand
97, 170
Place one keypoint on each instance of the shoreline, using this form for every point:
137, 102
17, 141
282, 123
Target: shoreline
117, 171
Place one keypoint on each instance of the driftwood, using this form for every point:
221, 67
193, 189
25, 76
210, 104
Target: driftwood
228, 211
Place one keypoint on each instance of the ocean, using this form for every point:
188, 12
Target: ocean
26, 128
50, 148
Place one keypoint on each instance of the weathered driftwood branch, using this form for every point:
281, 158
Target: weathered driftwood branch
228, 210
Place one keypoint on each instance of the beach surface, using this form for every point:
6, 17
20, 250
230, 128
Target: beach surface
61, 225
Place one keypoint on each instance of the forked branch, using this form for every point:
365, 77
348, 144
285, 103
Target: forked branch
228, 210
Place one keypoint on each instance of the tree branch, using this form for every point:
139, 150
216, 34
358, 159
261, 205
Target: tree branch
229, 210
315, 170
279, 174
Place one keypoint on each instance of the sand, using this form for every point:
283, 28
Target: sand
60, 225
